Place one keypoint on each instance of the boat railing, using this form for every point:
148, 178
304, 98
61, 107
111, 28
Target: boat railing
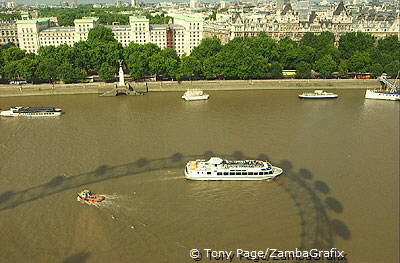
389, 83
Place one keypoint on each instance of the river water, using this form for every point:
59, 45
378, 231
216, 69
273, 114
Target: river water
340, 188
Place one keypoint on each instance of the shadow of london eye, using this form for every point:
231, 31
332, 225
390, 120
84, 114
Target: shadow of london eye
317, 210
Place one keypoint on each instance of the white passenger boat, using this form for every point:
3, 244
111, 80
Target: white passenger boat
31, 111
195, 95
318, 94
390, 90
219, 169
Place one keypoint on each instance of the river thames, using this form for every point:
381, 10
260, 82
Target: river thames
339, 189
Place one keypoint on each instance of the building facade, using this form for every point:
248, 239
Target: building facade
287, 22
8, 32
182, 36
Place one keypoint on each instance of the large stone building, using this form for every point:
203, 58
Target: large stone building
287, 22
183, 35
8, 32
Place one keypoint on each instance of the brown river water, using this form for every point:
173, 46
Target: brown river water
340, 187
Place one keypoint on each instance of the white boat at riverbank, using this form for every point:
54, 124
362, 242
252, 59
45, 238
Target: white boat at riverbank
318, 94
31, 112
390, 90
219, 169
195, 95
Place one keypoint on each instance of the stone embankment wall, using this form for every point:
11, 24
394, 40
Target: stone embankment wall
101, 87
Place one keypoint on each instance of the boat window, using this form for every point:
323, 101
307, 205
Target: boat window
219, 173
226, 173
250, 173
244, 173
208, 172
238, 173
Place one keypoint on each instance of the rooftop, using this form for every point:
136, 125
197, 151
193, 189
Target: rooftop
33, 21
86, 20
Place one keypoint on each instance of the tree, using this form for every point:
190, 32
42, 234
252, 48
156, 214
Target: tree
208, 47
353, 42
343, 67
69, 74
12, 53
190, 67
326, 65
275, 70
107, 72
376, 69
393, 68
100, 34
303, 70
359, 62
46, 70
27, 68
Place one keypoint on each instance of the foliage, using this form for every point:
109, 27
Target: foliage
393, 69
353, 42
303, 70
107, 72
241, 58
325, 65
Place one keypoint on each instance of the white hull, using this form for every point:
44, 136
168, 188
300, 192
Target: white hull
318, 96
11, 114
370, 94
189, 98
214, 177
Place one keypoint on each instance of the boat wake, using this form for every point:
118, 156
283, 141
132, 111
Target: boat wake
113, 202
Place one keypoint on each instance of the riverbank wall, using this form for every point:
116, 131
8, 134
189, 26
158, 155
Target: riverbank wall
161, 86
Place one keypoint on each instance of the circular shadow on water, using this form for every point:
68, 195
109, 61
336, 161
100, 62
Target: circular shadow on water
55, 181
208, 154
262, 157
340, 229
6, 196
322, 187
238, 155
102, 169
176, 157
305, 174
142, 162
334, 204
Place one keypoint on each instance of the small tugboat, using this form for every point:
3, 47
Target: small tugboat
90, 197
318, 94
195, 95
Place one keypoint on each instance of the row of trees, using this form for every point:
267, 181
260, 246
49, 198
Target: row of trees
240, 58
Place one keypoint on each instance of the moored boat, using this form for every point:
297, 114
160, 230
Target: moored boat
195, 95
90, 197
318, 94
31, 111
243, 170
390, 90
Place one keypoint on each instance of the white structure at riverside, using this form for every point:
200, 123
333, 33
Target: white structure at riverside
121, 82
183, 35
193, 4
135, 3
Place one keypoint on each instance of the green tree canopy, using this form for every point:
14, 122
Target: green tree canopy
107, 72
303, 70
326, 65
353, 42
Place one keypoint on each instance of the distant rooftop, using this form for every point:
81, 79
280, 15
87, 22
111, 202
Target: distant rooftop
86, 20
33, 21
189, 18
138, 19
59, 29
